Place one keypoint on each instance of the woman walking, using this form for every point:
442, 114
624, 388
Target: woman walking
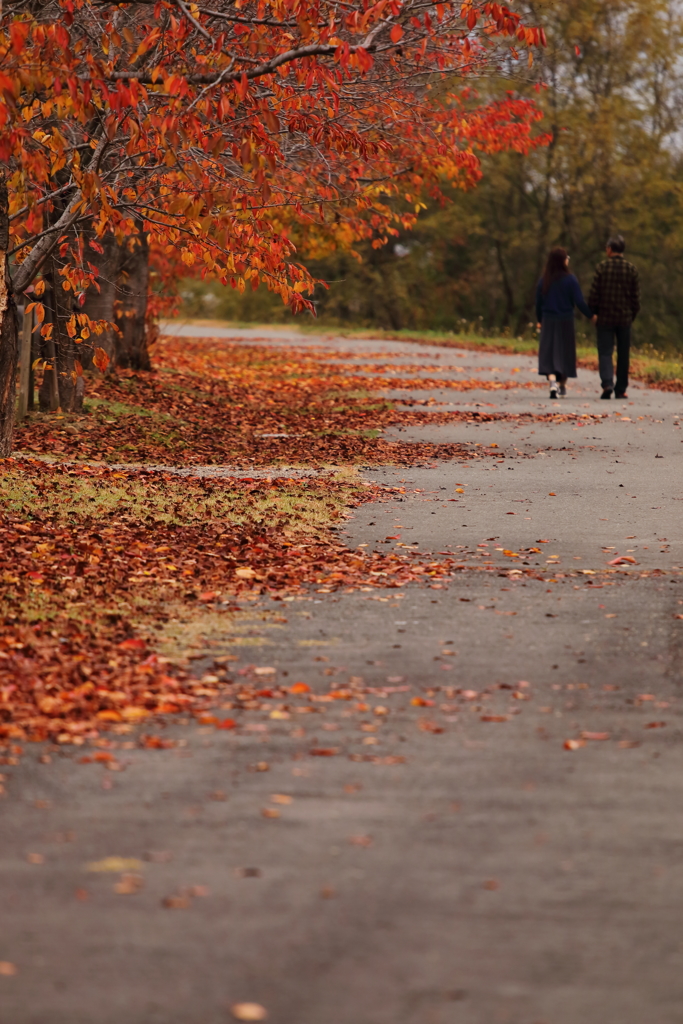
557, 294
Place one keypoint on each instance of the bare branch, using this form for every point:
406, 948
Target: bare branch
200, 28
314, 50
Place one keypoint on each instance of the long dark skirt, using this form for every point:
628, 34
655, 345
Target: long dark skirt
557, 347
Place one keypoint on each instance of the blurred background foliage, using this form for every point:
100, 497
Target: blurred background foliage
611, 86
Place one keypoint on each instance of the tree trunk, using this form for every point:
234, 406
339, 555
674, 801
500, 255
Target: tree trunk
507, 287
8, 332
25, 381
99, 305
62, 387
122, 300
71, 385
48, 393
131, 304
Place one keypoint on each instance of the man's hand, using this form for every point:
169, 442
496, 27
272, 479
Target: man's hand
538, 327
594, 318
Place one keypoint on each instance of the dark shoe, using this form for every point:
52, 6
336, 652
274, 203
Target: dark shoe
620, 395
607, 393
553, 390
563, 390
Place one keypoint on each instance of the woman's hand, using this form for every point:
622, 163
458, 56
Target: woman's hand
538, 327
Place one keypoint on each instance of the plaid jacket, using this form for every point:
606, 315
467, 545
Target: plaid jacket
615, 292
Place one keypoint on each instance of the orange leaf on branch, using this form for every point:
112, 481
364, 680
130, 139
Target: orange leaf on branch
100, 359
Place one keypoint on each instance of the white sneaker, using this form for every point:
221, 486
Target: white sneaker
553, 390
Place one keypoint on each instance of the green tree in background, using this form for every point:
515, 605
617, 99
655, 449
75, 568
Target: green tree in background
611, 85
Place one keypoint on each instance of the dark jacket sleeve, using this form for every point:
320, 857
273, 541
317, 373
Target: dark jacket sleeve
578, 298
594, 296
635, 294
539, 301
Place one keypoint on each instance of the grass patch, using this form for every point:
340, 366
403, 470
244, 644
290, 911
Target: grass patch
92, 405
69, 498
657, 370
206, 633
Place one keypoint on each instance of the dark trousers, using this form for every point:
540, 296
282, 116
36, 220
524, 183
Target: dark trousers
607, 336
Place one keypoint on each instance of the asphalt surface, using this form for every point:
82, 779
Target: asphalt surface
452, 862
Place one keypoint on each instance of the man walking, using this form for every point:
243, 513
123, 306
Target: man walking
615, 299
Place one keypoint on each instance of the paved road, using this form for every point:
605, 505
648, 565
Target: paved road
491, 877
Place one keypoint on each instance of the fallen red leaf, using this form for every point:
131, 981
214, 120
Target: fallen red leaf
133, 644
176, 902
156, 742
109, 716
249, 1011
428, 726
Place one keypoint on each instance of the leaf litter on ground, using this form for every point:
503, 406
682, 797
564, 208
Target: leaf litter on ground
212, 402
94, 559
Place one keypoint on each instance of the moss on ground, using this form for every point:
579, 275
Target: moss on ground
166, 499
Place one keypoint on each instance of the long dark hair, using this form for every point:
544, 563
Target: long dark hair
555, 268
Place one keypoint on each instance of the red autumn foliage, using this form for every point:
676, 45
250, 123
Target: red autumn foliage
163, 113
